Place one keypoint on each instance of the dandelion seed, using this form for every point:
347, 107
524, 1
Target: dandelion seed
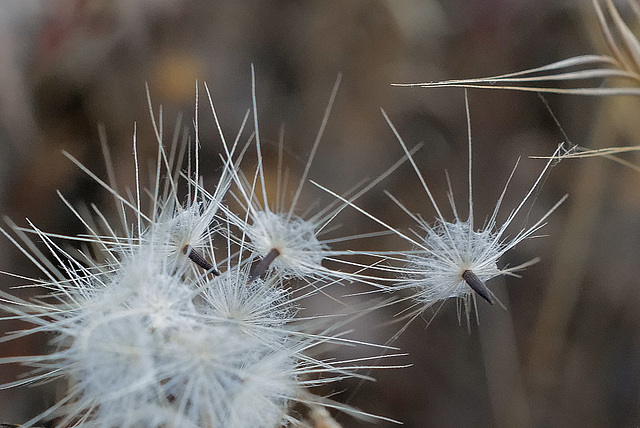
284, 241
454, 258
290, 246
293, 246
262, 306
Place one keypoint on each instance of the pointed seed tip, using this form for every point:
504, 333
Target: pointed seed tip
477, 285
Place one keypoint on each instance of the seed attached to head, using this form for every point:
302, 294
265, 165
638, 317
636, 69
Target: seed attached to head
199, 259
477, 285
264, 264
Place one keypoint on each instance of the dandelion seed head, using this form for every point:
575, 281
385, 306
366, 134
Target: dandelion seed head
106, 346
109, 345
130, 348
259, 303
185, 229
300, 252
150, 282
264, 392
144, 339
225, 378
452, 249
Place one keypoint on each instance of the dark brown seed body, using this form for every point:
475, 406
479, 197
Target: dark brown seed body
198, 259
264, 264
477, 285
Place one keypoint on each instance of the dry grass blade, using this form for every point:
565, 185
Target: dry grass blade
578, 152
623, 65
630, 45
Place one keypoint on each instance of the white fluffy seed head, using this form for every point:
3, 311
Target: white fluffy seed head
259, 307
110, 341
211, 368
105, 354
449, 249
187, 228
300, 252
140, 342
434, 267
147, 340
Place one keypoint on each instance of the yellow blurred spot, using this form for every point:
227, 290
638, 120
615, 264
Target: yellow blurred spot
175, 75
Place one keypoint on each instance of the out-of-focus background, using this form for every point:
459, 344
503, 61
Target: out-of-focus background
567, 350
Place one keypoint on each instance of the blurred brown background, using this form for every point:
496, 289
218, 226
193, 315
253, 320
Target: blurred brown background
567, 351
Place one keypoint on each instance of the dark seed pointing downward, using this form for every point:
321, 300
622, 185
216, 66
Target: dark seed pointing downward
263, 265
477, 285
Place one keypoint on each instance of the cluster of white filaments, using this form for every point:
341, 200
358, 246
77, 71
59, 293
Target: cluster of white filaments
189, 318
454, 258
287, 243
298, 250
143, 341
168, 332
445, 263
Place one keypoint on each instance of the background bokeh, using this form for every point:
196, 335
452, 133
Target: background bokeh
567, 351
